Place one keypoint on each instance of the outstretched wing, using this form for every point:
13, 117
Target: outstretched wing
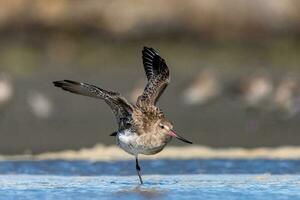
157, 73
119, 105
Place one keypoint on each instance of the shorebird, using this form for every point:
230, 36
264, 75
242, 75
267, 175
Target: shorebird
6, 89
287, 97
204, 88
255, 90
6, 93
142, 128
40, 105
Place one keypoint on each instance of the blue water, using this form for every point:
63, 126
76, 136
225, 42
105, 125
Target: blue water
164, 179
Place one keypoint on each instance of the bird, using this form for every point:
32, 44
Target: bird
6, 89
286, 98
40, 104
254, 90
203, 89
142, 127
6, 94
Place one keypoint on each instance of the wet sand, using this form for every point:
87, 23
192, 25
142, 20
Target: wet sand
110, 153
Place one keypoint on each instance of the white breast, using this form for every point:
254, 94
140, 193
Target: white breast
126, 140
135, 144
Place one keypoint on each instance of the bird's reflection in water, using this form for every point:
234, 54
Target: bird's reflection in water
142, 192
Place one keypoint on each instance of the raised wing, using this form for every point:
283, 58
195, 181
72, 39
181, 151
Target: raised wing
157, 73
119, 105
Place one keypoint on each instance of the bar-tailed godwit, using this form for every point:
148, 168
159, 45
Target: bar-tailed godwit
142, 128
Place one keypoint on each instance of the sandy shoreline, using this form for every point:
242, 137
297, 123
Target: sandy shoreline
109, 153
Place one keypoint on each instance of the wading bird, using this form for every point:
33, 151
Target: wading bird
255, 90
203, 89
142, 128
286, 99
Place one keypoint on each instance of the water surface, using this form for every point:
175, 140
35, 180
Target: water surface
164, 179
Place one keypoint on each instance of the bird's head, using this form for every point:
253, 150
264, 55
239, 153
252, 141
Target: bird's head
166, 128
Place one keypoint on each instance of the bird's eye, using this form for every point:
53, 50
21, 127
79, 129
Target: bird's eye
161, 126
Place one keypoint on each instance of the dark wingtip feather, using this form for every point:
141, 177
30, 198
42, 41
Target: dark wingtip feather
153, 63
58, 83
114, 134
149, 49
72, 82
64, 83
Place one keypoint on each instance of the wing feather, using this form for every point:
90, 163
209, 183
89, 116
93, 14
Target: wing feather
119, 105
157, 73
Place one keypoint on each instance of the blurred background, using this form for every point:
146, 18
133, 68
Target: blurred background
235, 70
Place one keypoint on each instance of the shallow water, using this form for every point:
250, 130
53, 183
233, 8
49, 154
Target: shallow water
164, 179
156, 186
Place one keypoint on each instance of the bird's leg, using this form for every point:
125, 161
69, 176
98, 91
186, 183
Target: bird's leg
138, 169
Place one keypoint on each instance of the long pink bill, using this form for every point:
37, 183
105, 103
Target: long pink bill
174, 134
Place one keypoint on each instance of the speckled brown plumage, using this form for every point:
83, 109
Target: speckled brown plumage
142, 128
